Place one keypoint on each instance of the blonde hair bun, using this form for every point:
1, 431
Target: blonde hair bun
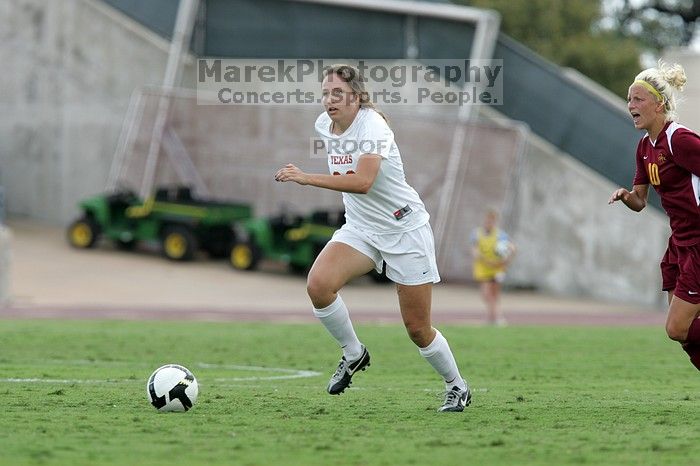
673, 74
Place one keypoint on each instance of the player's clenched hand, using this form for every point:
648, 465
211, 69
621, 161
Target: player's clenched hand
291, 173
618, 195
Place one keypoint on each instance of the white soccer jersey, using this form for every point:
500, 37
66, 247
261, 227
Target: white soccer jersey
391, 205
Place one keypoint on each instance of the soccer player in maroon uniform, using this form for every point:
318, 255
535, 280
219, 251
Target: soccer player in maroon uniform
668, 158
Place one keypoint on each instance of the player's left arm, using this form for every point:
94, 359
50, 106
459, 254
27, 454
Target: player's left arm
686, 151
359, 182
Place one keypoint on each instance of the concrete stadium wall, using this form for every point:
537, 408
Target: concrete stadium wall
236, 149
74, 64
571, 242
688, 109
5, 250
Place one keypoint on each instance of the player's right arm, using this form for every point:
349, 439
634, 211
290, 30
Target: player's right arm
635, 199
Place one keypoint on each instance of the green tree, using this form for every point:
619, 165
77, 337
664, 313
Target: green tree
569, 34
656, 24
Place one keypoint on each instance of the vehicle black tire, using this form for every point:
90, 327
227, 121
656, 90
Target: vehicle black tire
217, 253
217, 249
83, 233
244, 255
179, 243
217, 242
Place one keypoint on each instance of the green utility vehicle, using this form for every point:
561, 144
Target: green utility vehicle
180, 223
292, 239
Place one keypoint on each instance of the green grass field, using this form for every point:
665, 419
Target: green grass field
74, 393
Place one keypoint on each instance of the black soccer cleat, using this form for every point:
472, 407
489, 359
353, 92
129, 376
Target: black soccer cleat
456, 399
342, 378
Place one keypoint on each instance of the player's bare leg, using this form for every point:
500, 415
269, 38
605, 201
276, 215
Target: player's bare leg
683, 326
336, 265
491, 291
415, 303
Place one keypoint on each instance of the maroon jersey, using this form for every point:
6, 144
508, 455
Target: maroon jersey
671, 164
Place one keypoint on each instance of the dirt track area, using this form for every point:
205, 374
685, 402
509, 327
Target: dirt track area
48, 279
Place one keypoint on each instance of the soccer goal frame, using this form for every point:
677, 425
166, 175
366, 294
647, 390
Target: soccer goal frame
487, 25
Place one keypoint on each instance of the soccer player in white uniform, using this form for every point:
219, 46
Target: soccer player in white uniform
386, 222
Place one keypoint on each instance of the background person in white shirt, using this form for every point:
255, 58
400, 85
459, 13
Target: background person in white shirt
386, 221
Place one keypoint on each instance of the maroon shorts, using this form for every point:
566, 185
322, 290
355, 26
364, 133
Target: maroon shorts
680, 272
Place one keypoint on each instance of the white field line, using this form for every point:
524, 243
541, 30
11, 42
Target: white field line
287, 373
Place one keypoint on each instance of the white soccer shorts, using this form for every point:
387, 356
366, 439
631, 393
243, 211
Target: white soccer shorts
409, 255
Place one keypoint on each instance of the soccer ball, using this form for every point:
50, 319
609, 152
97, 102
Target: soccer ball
503, 249
172, 388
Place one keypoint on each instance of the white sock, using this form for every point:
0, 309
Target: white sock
439, 355
336, 319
